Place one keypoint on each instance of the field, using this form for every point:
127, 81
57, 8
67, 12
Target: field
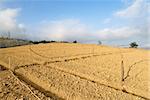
67, 71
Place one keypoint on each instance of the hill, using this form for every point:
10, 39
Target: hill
59, 71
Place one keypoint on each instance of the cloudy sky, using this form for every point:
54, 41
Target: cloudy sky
114, 22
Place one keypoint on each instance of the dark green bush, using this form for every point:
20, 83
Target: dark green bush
75, 41
133, 45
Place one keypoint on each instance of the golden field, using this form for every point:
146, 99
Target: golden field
67, 71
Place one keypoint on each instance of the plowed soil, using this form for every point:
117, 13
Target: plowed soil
64, 71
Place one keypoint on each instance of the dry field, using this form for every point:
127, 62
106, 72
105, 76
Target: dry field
66, 71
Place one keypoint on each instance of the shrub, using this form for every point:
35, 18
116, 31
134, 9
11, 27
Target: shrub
133, 45
44, 41
64, 42
52, 41
75, 41
35, 42
99, 42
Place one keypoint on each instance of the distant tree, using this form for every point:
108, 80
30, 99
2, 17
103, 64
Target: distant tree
52, 41
64, 42
75, 41
44, 41
8, 35
99, 42
133, 45
35, 42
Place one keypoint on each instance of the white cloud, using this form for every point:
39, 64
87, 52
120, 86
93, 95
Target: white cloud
8, 19
69, 29
72, 29
136, 27
137, 9
126, 1
8, 22
135, 16
148, 18
22, 26
117, 33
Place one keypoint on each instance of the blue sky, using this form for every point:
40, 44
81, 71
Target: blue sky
90, 12
114, 22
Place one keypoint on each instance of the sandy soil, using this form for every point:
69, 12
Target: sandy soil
11, 89
77, 72
69, 86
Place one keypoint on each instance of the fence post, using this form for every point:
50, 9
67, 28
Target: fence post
9, 61
93, 50
30, 55
122, 66
122, 71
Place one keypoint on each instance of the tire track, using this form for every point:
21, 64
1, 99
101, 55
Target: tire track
25, 82
28, 65
82, 77
67, 60
56, 56
62, 60
78, 58
92, 54
12, 73
133, 65
84, 57
39, 88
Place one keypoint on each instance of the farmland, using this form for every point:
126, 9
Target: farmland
67, 71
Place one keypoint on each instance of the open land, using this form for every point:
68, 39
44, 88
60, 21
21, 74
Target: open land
67, 71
